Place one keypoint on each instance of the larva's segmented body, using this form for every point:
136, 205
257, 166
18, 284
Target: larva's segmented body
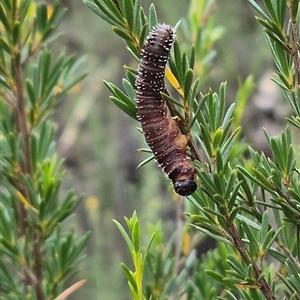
160, 130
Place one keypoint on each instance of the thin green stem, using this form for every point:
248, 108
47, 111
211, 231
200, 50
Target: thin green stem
138, 275
179, 232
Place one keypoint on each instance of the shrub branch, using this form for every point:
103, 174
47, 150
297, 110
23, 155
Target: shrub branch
238, 243
295, 40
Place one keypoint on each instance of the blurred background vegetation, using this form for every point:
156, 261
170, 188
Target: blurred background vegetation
99, 142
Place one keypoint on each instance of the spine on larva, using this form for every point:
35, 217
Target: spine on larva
159, 128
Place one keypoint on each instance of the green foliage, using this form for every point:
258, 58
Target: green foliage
135, 279
37, 256
283, 42
251, 207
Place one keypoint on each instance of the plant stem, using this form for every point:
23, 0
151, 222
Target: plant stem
295, 40
26, 168
38, 270
179, 238
238, 243
21, 127
289, 255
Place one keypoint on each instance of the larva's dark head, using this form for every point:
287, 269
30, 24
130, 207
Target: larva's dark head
185, 187
183, 176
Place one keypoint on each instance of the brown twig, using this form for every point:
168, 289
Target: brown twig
289, 255
38, 269
295, 41
21, 128
239, 245
26, 168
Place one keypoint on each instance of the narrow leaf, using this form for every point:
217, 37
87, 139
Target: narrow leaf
103, 13
152, 16
125, 235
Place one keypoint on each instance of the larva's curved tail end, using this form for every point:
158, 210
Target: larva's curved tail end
185, 187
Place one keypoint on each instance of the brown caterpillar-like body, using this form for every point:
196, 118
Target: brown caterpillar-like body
159, 128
